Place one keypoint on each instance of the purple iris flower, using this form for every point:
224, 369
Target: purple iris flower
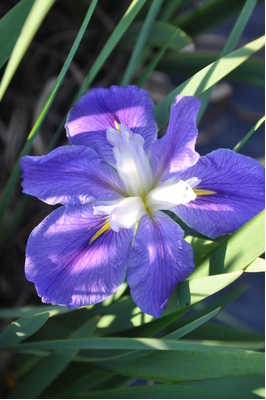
115, 181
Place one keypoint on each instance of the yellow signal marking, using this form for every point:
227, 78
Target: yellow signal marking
203, 192
117, 126
104, 228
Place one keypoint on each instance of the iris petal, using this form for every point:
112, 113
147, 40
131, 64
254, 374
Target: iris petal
175, 152
238, 182
69, 270
100, 109
70, 175
158, 260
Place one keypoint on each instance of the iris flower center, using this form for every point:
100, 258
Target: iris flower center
143, 196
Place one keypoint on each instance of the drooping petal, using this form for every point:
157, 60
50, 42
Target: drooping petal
158, 260
70, 175
175, 152
239, 185
69, 270
100, 109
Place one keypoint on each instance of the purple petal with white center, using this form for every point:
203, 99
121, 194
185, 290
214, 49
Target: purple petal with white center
99, 109
69, 270
175, 152
239, 183
70, 175
158, 260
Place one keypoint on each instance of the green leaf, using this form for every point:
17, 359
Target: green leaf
187, 64
230, 45
207, 77
160, 33
211, 362
10, 27
36, 15
192, 326
169, 9
118, 32
29, 311
48, 369
207, 14
21, 329
9, 188
235, 252
178, 36
120, 343
231, 388
141, 41
256, 266
125, 314
201, 247
249, 134
212, 331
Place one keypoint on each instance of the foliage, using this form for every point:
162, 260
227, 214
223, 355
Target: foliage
101, 350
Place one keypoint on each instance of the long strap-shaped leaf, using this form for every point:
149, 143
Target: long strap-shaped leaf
141, 41
10, 28
4, 201
207, 77
36, 15
230, 45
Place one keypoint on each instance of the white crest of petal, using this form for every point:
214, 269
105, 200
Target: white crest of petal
168, 196
132, 163
103, 210
127, 213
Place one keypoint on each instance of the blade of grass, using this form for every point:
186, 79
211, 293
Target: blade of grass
9, 188
229, 255
209, 13
141, 41
48, 369
257, 266
21, 329
115, 37
249, 134
155, 60
36, 15
230, 45
10, 28
206, 78
118, 343
169, 9
187, 64
120, 29
233, 388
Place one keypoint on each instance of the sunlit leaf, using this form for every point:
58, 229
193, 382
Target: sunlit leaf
21, 329
9, 188
141, 41
36, 15
230, 388
235, 252
48, 369
10, 28
207, 77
